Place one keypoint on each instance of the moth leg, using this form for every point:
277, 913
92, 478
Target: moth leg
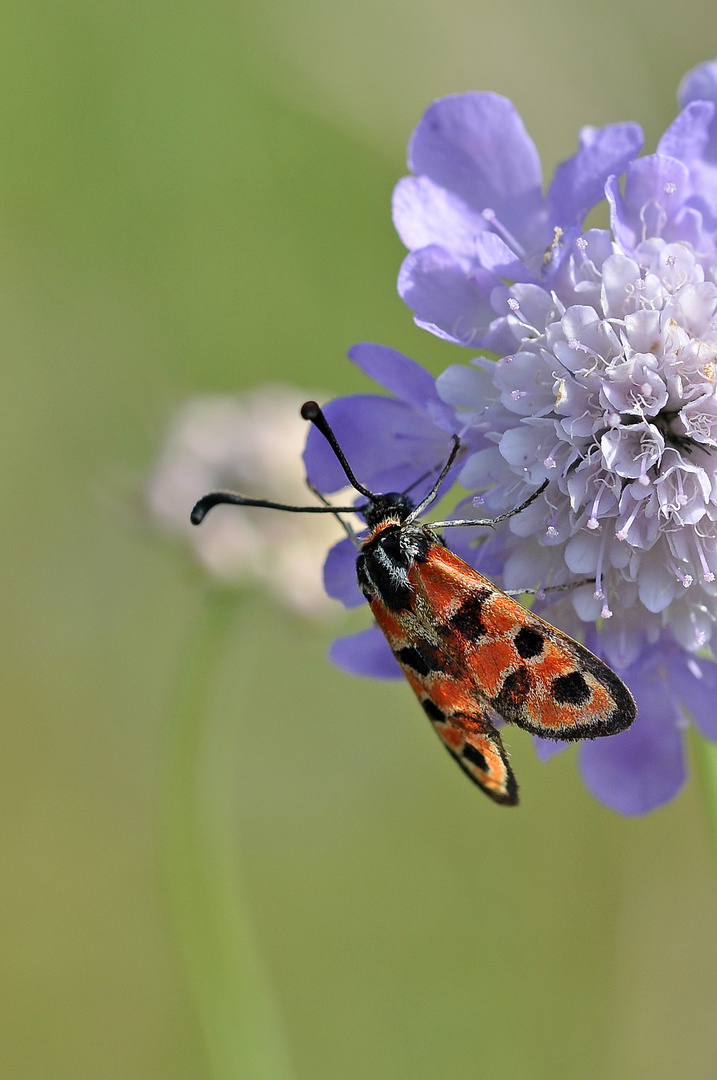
350, 532
490, 522
550, 588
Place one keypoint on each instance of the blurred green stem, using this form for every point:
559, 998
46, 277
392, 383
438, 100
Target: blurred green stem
231, 991
707, 763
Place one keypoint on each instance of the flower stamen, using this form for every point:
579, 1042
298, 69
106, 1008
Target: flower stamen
622, 533
707, 574
491, 217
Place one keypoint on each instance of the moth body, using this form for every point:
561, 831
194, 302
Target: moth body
474, 657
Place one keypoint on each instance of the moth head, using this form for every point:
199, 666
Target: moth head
378, 508
393, 505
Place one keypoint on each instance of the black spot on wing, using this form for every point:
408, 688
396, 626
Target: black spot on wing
468, 619
528, 642
511, 698
571, 689
422, 658
624, 710
471, 759
475, 757
432, 711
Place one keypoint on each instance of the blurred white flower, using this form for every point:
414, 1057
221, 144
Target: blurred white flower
251, 444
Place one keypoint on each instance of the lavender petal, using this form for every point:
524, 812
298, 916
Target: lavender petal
340, 574
641, 768
443, 297
579, 182
404, 378
388, 443
695, 684
365, 653
476, 146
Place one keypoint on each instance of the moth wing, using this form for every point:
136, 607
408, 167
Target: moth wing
520, 666
478, 749
437, 676
562, 691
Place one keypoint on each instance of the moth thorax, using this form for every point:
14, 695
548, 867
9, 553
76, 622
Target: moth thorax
393, 542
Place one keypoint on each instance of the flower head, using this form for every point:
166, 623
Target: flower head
606, 387
252, 443
614, 402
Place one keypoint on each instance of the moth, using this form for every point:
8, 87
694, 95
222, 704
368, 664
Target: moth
471, 653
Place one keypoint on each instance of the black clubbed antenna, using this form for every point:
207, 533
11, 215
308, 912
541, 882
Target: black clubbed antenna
218, 498
311, 411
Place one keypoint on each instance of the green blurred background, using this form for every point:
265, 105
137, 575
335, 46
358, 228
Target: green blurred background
195, 197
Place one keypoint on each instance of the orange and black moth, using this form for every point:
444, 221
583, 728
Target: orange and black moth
474, 657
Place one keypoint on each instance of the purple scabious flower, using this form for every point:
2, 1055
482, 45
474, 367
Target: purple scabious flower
606, 386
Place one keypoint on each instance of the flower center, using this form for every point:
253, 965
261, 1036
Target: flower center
665, 422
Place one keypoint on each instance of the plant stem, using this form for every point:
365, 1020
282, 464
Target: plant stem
223, 967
